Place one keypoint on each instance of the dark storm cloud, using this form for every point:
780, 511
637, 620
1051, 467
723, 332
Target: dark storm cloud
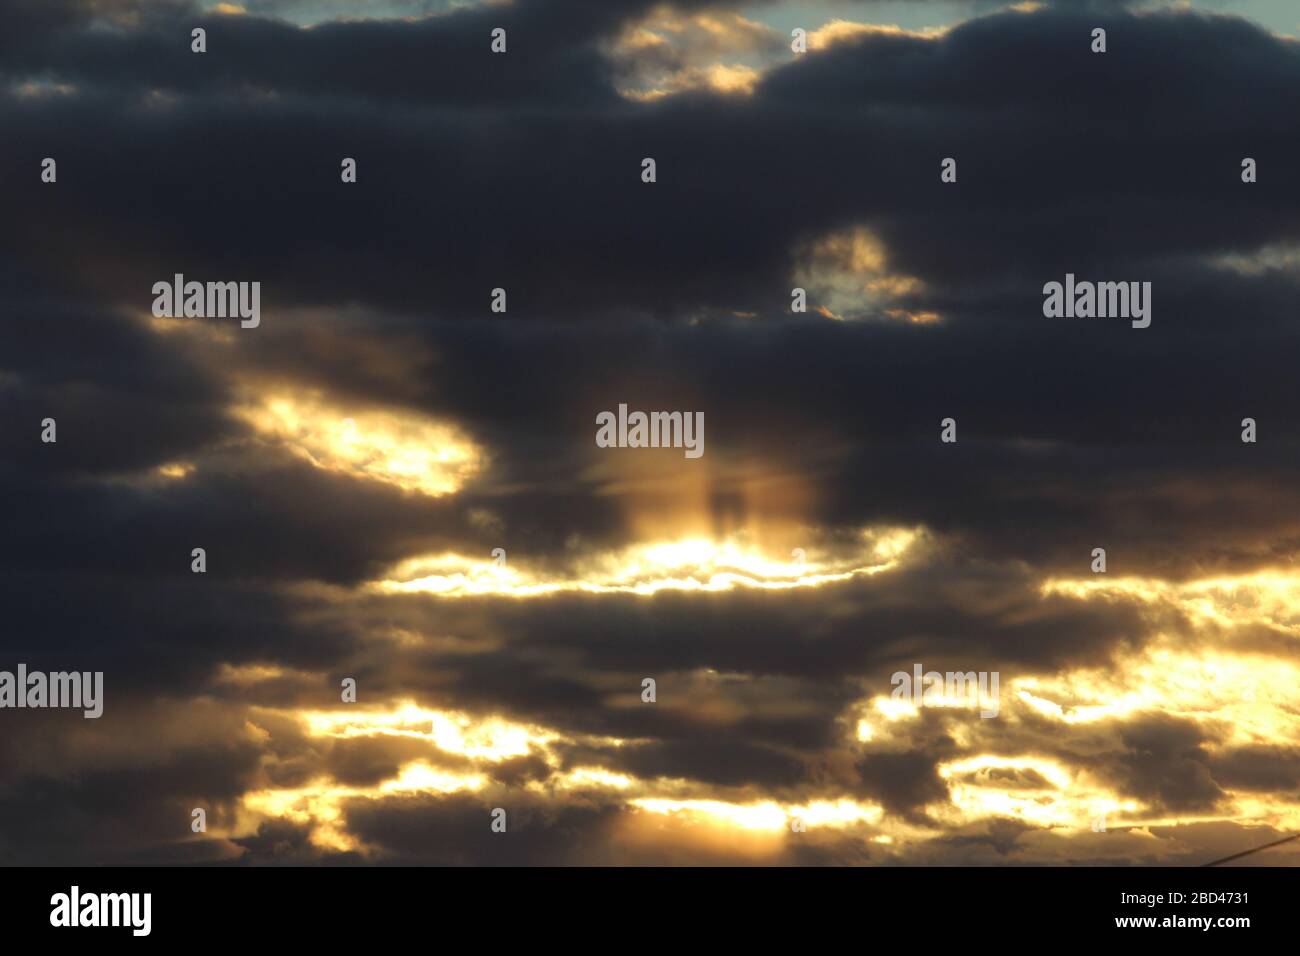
121, 789
51, 822
456, 831
522, 171
134, 401
903, 783
443, 60
454, 201
1074, 419
870, 626
1263, 768
1130, 176
1164, 761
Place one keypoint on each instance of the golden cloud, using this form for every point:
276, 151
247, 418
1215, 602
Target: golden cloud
399, 448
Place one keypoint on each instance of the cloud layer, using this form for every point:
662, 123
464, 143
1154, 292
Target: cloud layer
350, 465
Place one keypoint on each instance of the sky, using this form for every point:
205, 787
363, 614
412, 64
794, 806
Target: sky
399, 488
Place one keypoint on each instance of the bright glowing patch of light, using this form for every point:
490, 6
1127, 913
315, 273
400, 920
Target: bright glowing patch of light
1232, 673
839, 31
890, 544
1053, 772
695, 564
977, 789
766, 815
668, 52
1244, 692
1270, 597
835, 813
420, 777
847, 275
319, 805
399, 448
593, 777
489, 738
1246, 698
457, 575
726, 79
893, 709
755, 816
